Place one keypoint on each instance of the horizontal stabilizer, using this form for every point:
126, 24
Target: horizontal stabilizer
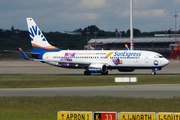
11, 51
23, 54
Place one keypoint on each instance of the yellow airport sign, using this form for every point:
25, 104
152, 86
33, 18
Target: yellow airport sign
168, 116
136, 115
74, 115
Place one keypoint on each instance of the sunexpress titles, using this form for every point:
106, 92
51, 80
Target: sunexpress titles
127, 54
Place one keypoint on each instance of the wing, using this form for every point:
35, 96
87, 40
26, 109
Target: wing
72, 63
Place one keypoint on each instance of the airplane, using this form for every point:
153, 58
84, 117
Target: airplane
92, 61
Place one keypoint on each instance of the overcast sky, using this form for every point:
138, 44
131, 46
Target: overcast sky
68, 15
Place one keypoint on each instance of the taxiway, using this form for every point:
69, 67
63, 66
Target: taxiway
136, 91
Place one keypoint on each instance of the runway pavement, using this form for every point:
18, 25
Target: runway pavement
146, 91
136, 91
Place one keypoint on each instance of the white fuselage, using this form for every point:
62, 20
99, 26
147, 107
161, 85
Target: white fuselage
113, 58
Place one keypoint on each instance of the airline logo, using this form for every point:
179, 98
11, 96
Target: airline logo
34, 32
156, 62
127, 54
108, 54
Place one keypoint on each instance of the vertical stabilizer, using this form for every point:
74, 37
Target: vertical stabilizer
38, 41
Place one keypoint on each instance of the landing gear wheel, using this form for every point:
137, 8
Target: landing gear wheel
106, 73
87, 73
153, 73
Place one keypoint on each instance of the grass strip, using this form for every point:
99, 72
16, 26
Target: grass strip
46, 108
36, 81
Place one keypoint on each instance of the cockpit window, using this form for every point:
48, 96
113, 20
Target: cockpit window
158, 56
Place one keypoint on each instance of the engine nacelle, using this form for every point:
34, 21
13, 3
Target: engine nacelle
126, 70
97, 68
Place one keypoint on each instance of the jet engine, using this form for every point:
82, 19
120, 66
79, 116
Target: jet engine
98, 68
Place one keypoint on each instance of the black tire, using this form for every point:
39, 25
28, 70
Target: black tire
87, 73
106, 73
154, 73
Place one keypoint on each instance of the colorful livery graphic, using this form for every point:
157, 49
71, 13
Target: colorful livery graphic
92, 61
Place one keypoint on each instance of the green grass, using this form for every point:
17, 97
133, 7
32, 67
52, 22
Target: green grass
36, 81
46, 108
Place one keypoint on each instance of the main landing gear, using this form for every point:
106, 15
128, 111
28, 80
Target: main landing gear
106, 73
87, 72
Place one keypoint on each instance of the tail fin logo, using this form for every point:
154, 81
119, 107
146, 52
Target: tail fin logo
35, 32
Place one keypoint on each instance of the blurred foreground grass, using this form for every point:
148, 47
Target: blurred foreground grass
46, 108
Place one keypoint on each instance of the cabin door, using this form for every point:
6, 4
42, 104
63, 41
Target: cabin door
146, 59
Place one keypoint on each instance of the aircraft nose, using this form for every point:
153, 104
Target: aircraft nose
166, 62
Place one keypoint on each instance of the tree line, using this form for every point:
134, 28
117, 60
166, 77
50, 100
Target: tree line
13, 38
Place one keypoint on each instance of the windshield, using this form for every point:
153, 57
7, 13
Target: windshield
158, 56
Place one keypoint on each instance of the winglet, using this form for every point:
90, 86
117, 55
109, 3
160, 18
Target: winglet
23, 54
126, 46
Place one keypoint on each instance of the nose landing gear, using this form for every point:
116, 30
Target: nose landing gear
154, 70
153, 73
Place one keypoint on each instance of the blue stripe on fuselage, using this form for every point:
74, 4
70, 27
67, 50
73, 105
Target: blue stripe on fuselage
41, 51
